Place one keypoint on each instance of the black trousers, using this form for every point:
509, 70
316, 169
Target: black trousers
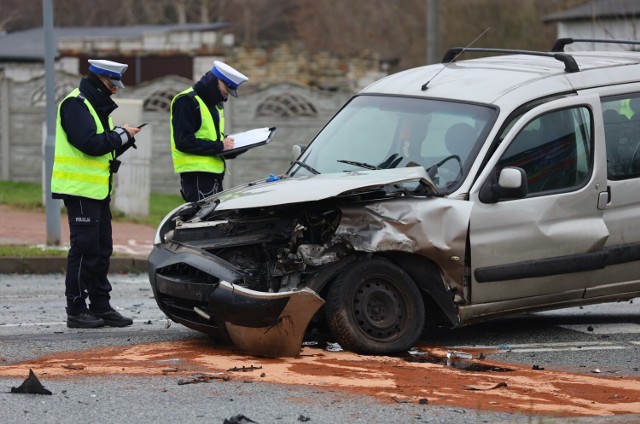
198, 185
89, 255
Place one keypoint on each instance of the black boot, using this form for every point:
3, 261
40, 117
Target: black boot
83, 319
112, 318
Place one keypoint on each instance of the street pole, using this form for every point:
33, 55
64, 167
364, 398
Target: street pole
52, 205
433, 32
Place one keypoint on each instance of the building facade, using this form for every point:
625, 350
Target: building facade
599, 19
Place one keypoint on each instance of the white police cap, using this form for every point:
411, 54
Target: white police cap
110, 69
229, 76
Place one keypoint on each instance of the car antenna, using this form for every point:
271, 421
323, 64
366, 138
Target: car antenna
424, 86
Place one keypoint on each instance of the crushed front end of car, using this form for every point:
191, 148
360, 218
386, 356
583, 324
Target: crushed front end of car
249, 265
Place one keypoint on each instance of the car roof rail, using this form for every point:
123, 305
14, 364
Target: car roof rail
570, 64
558, 46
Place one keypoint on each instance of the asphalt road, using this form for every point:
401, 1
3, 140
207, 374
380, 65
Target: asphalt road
604, 338
591, 339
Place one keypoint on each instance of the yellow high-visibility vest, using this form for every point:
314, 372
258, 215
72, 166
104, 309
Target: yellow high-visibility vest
75, 172
187, 162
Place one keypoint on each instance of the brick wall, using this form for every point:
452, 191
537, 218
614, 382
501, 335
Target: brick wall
290, 63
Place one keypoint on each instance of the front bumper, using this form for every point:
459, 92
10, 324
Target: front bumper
201, 291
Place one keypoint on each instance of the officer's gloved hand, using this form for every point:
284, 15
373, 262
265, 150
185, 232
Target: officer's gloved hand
124, 147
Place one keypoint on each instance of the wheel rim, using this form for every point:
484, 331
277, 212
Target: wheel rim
379, 309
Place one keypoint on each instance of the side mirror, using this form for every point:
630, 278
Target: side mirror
510, 184
512, 178
296, 151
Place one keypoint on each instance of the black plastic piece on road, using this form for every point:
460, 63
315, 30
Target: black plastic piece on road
31, 385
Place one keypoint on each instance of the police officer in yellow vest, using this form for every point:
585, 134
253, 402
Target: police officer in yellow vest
87, 147
197, 131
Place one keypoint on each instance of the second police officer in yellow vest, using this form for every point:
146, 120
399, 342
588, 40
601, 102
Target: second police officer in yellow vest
87, 147
197, 131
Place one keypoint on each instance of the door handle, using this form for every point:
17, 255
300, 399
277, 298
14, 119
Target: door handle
604, 198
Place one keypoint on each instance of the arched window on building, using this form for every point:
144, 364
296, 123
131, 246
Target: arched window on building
39, 96
159, 101
286, 106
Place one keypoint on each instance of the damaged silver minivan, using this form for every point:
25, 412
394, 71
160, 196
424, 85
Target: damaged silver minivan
438, 196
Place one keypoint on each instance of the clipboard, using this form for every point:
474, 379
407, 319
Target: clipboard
249, 139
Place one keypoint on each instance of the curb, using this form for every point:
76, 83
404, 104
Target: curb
58, 265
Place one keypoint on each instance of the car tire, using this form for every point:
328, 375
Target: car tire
375, 308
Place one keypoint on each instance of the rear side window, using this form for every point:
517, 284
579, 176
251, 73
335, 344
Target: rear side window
555, 150
621, 116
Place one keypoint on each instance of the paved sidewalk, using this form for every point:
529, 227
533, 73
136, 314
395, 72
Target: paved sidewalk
132, 243
30, 228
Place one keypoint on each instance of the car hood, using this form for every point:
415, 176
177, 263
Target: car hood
317, 187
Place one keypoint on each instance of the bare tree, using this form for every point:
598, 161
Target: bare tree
392, 30
181, 10
204, 11
514, 27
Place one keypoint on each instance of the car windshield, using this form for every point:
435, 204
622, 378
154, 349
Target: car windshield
381, 132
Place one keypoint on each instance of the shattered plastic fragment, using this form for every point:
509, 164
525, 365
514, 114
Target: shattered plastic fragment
31, 385
497, 386
458, 359
203, 378
333, 347
245, 369
72, 366
238, 419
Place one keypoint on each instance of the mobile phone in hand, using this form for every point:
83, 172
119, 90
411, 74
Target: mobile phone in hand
142, 125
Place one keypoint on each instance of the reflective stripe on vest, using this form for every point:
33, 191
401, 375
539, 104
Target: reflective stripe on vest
186, 162
75, 172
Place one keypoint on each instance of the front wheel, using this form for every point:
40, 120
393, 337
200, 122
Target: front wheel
374, 307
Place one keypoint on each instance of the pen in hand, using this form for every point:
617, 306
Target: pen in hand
228, 143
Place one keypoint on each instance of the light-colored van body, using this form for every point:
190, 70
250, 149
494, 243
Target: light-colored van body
441, 195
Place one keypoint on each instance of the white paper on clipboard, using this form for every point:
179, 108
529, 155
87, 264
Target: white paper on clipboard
249, 139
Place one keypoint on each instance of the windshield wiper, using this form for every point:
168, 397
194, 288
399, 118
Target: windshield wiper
360, 164
307, 167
